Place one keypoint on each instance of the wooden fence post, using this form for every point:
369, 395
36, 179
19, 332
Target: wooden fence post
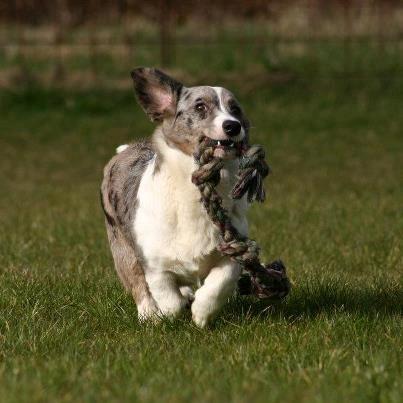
167, 48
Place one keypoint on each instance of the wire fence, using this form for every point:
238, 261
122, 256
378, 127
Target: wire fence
363, 41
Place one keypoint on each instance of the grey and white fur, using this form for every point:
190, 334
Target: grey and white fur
163, 243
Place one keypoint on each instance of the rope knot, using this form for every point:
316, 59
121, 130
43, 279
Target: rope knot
264, 281
252, 171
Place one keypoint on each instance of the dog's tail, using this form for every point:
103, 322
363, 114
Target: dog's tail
121, 148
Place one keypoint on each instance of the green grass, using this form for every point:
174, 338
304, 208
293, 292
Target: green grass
334, 215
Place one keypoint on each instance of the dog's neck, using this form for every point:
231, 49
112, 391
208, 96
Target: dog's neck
181, 166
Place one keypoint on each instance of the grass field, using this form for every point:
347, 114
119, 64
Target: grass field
334, 215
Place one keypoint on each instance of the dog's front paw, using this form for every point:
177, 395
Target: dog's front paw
201, 315
200, 321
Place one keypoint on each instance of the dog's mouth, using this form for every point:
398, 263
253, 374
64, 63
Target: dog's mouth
226, 149
223, 143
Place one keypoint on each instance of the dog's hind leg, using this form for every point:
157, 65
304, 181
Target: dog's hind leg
131, 273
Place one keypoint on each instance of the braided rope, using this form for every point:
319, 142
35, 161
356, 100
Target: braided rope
263, 281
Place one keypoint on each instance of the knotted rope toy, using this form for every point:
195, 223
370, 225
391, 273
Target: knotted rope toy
263, 281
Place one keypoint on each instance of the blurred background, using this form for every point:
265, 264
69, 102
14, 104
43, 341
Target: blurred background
322, 84
93, 43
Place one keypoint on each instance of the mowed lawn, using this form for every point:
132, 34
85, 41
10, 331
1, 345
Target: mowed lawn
334, 214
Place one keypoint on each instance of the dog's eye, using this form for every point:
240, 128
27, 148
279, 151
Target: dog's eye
235, 110
200, 107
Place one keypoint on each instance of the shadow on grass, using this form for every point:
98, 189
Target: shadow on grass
304, 301
324, 299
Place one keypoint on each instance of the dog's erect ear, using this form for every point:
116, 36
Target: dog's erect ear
157, 93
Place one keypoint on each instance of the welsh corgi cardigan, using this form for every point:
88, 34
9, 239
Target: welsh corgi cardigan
163, 243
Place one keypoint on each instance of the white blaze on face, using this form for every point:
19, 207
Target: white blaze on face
222, 116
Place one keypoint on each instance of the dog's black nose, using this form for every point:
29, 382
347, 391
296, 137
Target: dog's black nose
231, 127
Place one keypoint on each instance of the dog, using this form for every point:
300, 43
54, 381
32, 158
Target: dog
163, 243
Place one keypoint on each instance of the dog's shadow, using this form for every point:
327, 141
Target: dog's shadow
309, 303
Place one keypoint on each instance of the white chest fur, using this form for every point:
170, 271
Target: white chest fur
171, 226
